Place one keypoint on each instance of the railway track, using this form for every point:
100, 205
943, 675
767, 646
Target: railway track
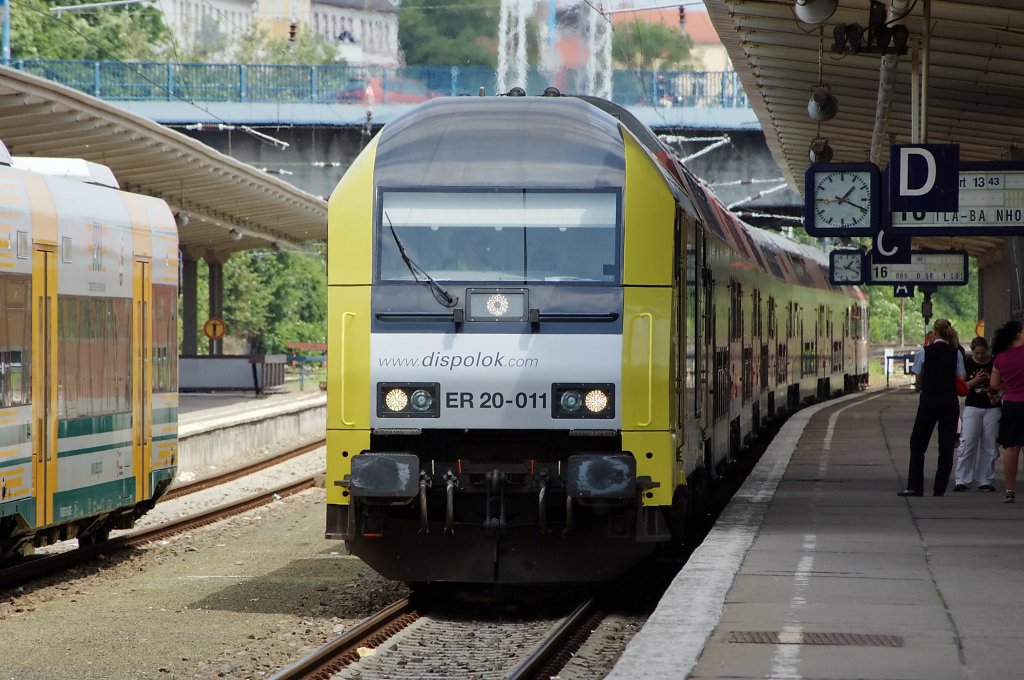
36, 567
238, 473
402, 638
371, 632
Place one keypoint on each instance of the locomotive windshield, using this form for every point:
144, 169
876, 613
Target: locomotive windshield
552, 236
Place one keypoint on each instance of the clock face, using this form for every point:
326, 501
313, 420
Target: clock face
841, 199
847, 266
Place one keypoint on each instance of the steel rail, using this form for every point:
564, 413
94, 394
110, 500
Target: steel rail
232, 475
370, 632
552, 645
49, 564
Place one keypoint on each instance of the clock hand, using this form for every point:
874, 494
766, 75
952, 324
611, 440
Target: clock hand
844, 199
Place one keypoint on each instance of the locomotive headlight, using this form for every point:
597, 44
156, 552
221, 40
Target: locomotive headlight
596, 401
571, 401
421, 400
408, 400
396, 399
583, 400
497, 304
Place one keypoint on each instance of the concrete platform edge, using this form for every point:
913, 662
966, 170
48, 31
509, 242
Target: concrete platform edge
672, 640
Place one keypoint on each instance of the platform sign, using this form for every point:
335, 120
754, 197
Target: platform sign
946, 268
923, 177
903, 291
991, 204
889, 247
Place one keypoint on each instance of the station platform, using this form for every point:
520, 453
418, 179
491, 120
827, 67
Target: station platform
218, 432
818, 570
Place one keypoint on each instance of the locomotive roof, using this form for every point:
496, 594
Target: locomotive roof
534, 141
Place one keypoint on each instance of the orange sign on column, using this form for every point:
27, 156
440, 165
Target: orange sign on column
214, 328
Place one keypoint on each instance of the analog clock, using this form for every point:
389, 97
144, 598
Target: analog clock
846, 267
842, 199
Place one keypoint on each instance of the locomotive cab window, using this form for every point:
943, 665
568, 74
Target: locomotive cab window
549, 236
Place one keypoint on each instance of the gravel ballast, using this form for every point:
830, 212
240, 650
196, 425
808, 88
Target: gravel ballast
239, 599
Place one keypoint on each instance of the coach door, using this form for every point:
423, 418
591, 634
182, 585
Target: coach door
44, 378
142, 381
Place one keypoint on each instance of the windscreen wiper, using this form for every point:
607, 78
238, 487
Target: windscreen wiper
442, 296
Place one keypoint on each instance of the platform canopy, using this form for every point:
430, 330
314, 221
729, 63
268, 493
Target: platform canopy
973, 56
222, 205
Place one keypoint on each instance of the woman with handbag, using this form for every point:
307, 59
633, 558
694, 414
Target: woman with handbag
936, 366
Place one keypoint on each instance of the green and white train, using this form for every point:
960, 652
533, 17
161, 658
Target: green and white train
88, 352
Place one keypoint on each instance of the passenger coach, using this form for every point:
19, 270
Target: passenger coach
88, 352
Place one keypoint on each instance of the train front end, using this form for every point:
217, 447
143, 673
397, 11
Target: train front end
499, 386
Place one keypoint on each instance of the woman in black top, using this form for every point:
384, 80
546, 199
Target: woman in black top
978, 450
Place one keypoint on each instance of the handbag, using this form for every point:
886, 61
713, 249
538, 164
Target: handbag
961, 386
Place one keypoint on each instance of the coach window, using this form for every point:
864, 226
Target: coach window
94, 356
15, 340
755, 321
735, 310
165, 339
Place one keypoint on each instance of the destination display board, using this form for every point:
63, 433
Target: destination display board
991, 204
948, 268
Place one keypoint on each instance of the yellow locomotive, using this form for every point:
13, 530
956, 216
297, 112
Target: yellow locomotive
88, 352
547, 339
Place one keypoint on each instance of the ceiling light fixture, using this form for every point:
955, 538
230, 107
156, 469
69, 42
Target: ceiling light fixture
820, 151
822, 105
815, 11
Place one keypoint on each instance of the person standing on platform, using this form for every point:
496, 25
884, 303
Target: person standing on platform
1008, 381
936, 366
978, 449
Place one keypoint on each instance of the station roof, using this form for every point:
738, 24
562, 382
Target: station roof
975, 57
222, 205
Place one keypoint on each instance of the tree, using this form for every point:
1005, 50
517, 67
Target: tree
442, 33
959, 304
257, 47
279, 297
121, 33
650, 47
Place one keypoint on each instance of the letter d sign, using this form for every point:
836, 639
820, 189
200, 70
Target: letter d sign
924, 177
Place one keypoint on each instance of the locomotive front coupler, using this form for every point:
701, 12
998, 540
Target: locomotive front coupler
450, 482
425, 482
495, 485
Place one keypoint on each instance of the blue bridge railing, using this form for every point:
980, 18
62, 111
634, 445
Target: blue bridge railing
329, 84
